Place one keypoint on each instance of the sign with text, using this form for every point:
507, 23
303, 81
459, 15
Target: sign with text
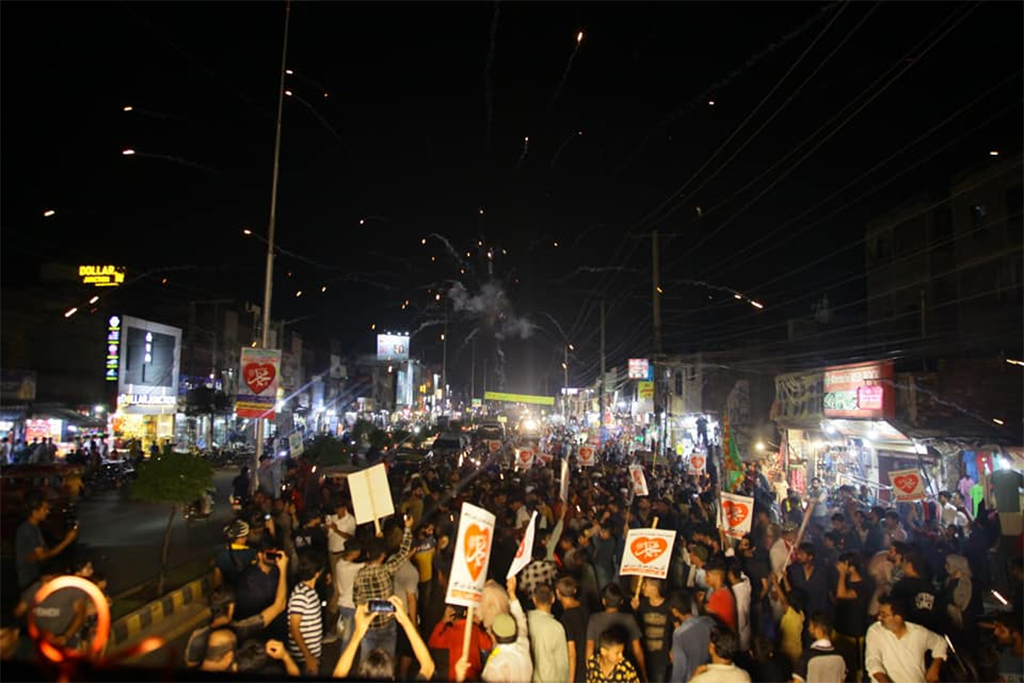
907, 485
698, 463
735, 515
524, 554
647, 553
636, 474
639, 368
371, 494
472, 556
863, 390
295, 444
586, 456
101, 276
392, 347
645, 390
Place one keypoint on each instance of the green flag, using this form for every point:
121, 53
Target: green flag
731, 458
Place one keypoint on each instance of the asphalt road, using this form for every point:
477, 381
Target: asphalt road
125, 537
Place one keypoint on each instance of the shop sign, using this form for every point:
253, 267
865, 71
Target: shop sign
639, 368
477, 402
798, 396
257, 391
645, 390
43, 429
113, 348
146, 400
519, 398
101, 276
860, 391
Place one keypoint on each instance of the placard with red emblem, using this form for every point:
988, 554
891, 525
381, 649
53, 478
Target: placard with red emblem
472, 556
647, 553
585, 456
907, 485
257, 392
735, 515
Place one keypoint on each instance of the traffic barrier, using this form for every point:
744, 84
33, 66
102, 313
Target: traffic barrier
132, 625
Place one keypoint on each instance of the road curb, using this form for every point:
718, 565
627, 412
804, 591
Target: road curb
128, 627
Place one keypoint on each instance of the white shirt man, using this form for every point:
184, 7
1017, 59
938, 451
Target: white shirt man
341, 526
510, 660
894, 649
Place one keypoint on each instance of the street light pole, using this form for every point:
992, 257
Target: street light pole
268, 285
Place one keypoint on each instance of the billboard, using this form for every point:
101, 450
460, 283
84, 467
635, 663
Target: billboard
392, 347
639, 368
863, 390
148, 364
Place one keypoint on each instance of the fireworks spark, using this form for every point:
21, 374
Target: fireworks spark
568, 68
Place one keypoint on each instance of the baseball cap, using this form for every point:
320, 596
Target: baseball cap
504, 626
237, 529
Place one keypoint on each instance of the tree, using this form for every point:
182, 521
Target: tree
176, 479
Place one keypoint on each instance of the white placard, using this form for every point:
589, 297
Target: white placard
698, 463
647, 553
295, 444
586, 456
472, 556
524, 458
564, 488
371, 494
907, 485
736, 513
636, 474
524, 554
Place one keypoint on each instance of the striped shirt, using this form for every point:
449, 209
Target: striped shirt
305, 602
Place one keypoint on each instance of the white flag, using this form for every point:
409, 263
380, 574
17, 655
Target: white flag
525, 552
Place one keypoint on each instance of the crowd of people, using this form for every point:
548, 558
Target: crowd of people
837, 588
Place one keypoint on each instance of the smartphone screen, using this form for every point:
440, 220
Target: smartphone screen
382, 606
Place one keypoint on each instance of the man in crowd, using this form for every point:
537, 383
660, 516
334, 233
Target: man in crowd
690, 639
30, 548
375, 581
547, 639
723, 650
574, 620
895, 648
612, 599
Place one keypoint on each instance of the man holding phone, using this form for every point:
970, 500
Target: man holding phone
375, 581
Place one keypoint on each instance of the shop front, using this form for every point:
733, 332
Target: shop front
144, 417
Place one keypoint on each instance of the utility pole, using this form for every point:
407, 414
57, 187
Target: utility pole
268, 286
472, 371
656, 302
444, 360
565, 381
602, 399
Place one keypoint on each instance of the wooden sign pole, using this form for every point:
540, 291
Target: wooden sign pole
640, 583
373, 508
467, 633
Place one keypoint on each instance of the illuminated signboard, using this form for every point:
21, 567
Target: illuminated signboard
113, 348
519, 398
863, 390
101, 276
392, 347
639, 368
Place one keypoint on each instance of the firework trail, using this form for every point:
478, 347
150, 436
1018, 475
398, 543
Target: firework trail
488, 81
426, 324
598, 269
526, 150
321, 119
469, 338
702, 98
451, 250
499, 367
177, 160
559, 327
568, 67
554, 160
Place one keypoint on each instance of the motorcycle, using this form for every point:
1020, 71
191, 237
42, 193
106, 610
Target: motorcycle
201, 508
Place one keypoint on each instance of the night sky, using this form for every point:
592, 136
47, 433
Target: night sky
423, 126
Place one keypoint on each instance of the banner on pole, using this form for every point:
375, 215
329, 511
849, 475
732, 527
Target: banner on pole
907, 485
257, 392
295, 444
736, 513
586, 456
472, 555
647, 553
636, 473
524, 554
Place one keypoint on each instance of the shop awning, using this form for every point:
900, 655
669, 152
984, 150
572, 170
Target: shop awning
69, 416
882, 435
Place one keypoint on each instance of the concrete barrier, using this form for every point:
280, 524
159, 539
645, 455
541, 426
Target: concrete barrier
133, 625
